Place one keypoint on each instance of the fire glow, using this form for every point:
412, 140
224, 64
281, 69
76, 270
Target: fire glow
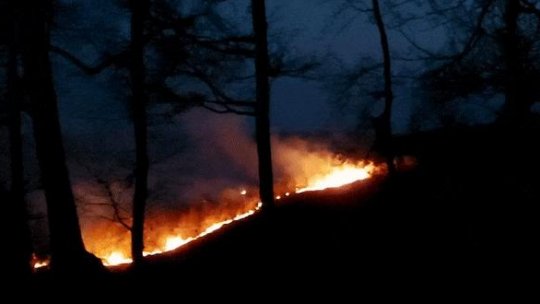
338, 177
111, 243
173, 242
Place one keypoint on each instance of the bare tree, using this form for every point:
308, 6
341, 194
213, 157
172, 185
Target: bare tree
262, 109
364, 79
139, 15
68, 254
383, 125
19, 236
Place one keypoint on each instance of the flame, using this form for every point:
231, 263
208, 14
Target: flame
304, 169
38, 262
338, 177
172, 242
41, 264
116, 258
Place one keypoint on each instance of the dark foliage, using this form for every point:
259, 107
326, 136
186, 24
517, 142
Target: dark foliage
499, 56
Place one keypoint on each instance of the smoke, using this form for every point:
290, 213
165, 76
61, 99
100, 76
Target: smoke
203, 171
195, 159
220, 153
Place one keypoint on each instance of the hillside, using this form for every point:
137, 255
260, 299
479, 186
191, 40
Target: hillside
464, 216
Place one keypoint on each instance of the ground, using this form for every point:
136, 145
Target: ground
463, 218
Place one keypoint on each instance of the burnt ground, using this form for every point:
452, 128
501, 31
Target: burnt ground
464, 219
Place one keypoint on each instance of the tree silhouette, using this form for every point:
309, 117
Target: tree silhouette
152, 58
357, 82
203, 66
19, 236
68, 254
383, 124
137, 71
223, 56
262, 109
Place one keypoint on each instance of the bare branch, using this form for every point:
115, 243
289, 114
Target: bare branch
239, 46
113, 203
227, 109
217, 106
106, 62
469, 45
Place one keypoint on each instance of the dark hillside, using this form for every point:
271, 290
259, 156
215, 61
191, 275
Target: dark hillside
463, 217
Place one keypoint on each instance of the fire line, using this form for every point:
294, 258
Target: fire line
334, 176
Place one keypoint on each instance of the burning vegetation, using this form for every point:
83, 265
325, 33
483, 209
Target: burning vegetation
301, 167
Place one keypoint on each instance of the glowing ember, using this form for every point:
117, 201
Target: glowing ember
38, 262
41, 264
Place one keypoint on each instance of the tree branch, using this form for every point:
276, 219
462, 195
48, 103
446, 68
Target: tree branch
475, 36
113, 203
106, 62
529, 8
217, 106
227, 109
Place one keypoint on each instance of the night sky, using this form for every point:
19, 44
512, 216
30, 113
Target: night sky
298, 105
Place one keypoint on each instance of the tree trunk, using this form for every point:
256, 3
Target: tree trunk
19, 237
68, 254
262, 64
384, 127
516, 106
139, 11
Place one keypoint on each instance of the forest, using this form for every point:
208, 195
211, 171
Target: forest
153, 142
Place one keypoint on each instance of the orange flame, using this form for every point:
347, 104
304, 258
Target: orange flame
39, 263
172, 242
165, 233
338, 176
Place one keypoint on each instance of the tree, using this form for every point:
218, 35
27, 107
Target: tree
165, 41
383, 127
356, 82
497, 54
18, 238
68, 254
139, 13
516, 102
214, 62
262, 109
223, 55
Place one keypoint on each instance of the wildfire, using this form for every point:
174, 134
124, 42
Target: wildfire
111, 243
116, 258
338, 177
173, 242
